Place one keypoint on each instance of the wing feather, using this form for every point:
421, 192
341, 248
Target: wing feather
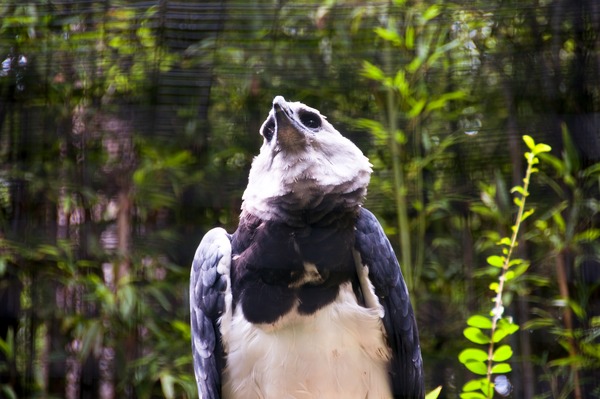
209, 286
377, 255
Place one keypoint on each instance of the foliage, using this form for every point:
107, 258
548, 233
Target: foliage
414, 46
95, 289
127, 129
567, 229
494, 361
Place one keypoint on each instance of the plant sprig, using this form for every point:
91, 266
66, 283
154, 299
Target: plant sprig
494, 361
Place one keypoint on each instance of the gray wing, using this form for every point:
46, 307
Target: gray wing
376, 253
209, 283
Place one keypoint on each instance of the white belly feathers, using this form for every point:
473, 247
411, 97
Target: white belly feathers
337, 352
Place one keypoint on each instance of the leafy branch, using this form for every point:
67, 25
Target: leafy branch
494, 361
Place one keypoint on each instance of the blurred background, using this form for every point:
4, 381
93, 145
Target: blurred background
127, 129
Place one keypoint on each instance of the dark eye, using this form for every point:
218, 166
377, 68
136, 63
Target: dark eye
310, 119
269, 129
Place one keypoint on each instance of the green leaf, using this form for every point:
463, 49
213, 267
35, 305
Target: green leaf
589, 235
541, 148
8, 392
520, 269
389, 35
92, 338
508, 326
591, 171
476, 367
499, 335
471, 354
432, 12
372, 72
495, 260
472, 395
502, 353
527, 213
401, 83
472, 385
495, 287
168, 385
479, 321
410, 37
529, 142
444, 99
504, 241
126, 296
570, 153
501, 368
518, 189
414, 64
509, 275
434, 394
555, 162
518, 201
417, 108
515, 261
475, 335
560, 221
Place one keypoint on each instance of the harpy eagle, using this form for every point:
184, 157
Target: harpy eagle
306, 298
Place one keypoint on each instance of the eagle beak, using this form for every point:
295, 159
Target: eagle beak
288, 135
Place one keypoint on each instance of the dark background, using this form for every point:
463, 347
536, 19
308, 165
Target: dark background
127, 129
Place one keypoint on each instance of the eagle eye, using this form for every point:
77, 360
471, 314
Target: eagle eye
310, 119
269, 129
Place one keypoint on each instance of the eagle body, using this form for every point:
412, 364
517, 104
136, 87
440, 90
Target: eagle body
305, 299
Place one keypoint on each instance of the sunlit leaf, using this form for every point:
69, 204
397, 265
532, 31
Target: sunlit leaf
502, 353
372, 72
409, 39
495, 287
417, 108
431, 12
434, 394
496, 261
472, 385
388, 35
472, 395
471, 354
401, 83
529, 142
444, 99
475, 335
476, 367
507, 326
501, 368
527, 213
589, 235
479, 321
504, 241
518, 189
517, 201
542, 148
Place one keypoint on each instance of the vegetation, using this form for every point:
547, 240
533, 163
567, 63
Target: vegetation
127, 130
494, 361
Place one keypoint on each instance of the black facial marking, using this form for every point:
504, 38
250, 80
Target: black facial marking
269, 129
310, 119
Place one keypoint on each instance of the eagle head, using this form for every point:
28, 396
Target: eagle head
304, 165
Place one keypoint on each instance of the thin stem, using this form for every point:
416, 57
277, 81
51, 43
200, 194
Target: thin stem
497, 311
